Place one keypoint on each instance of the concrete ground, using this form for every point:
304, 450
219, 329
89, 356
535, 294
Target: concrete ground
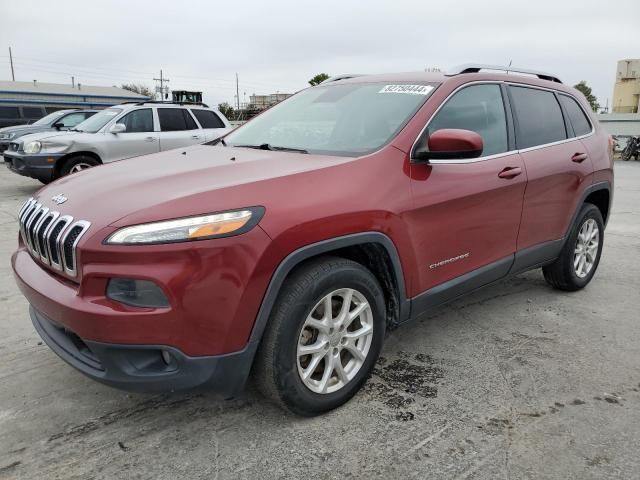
516, 381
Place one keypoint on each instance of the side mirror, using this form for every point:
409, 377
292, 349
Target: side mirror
58, 125
450, 143
118, 128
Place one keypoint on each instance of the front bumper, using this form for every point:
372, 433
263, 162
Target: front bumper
35, 166
142, 368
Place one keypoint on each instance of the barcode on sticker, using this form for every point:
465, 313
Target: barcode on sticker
410, 89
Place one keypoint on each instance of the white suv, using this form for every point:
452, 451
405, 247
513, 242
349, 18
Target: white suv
116, 133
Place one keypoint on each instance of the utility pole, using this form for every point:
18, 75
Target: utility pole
162, 81
13, 76
237, 91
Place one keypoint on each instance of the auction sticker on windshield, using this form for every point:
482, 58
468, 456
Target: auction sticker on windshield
410, 89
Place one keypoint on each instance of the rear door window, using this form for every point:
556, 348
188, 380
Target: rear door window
138, 121
208, 119
577, 117
478, 108
539, 117
175, 119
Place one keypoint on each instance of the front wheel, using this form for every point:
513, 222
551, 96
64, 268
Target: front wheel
77, 164
580, 255
323, 338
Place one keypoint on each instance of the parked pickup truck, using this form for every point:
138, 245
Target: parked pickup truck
116, 133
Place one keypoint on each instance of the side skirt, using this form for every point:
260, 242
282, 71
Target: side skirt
528, 259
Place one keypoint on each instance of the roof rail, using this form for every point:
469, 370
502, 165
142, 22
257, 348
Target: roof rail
344, 76
162, 102
476, 67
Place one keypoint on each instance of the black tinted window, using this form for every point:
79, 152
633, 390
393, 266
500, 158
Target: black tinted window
478, 108
208, 119
577, 117
191, 123
174, 119
540, 119
138, 121
34, 113
9, 112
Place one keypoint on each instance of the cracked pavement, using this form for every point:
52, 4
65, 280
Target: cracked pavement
516, 381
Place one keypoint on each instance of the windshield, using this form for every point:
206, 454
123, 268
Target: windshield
344, 119
49, 119
99, 120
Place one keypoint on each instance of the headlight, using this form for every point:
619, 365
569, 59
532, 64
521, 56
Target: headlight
7, 136
33, 147
191, 228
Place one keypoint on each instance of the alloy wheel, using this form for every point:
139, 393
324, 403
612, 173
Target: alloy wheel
78, 167
334, 341
586, 251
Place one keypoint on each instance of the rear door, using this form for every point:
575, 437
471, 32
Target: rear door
467, 211
211, 123
178, 129
558, 167
138, 139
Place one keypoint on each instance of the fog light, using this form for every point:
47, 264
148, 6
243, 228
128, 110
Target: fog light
137, 293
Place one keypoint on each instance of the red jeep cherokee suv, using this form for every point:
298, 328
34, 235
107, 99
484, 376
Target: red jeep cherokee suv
287, 249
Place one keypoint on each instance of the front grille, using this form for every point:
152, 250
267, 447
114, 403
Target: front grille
51, 238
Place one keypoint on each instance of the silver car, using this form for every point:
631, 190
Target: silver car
116, 133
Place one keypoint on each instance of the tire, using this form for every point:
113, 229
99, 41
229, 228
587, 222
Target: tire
279, 364
74, 164
564, 274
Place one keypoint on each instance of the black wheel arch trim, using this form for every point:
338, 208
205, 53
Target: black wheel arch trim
594, 187
327, 246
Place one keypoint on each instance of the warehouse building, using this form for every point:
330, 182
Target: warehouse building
25, 102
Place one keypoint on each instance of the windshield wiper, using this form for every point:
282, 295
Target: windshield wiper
75, 130
266, 146
217, 141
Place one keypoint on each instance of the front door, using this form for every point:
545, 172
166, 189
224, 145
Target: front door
139, 137
466, 213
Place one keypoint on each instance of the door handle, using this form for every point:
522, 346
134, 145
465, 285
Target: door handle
579, 157
510, 172
149, 139
197, 137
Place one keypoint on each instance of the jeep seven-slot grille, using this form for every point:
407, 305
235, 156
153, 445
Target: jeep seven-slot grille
50, 237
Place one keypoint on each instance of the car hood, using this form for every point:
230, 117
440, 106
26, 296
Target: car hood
183, 182
52, 135
20, 130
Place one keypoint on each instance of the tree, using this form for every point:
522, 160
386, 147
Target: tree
227, 110
318, 79
139, 88
586, 91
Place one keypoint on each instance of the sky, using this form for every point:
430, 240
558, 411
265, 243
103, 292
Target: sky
277, 46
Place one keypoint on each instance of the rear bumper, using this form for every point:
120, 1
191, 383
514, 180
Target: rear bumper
142, 368
35, 166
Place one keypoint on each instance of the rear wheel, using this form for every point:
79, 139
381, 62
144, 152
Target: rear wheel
580, 255
323, 338
77, 164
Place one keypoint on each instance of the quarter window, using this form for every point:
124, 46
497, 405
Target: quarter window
138, 121
208, 119
175, 119
478, 108
539, 117
577, 117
